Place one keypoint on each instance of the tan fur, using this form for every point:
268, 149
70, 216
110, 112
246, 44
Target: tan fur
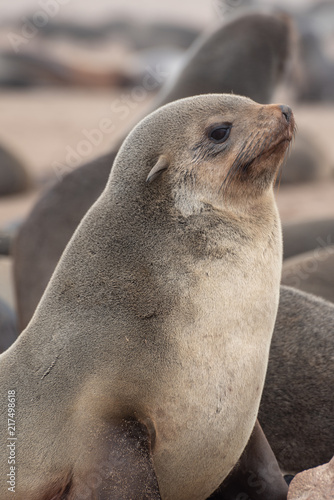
161, 309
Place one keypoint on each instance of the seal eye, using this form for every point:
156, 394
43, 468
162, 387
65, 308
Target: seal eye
220, 134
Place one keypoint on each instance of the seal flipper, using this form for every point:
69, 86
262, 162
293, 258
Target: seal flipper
118, 465
161, 165
257, 474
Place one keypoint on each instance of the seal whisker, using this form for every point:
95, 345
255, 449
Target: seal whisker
245, 154
236, 162
261, 147
280, 171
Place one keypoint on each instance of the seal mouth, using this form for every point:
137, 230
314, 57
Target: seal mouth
284, 141
257, 148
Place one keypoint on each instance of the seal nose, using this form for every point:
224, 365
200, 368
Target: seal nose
286, 112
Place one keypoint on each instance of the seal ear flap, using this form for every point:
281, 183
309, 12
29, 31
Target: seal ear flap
161, 165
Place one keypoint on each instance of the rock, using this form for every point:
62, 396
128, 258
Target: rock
313, 484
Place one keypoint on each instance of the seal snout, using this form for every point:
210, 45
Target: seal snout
286, 112
288, 119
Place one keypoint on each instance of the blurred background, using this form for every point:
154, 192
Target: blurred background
67, 65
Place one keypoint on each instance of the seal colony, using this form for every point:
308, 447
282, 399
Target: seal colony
145, 360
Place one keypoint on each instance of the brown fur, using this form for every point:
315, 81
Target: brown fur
160, 312
296, 410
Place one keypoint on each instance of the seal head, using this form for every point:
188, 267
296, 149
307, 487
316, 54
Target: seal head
229, 157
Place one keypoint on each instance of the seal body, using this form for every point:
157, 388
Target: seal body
160, 312
299, 382
256, 48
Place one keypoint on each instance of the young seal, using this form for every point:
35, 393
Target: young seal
296, 410
312, 272
227, 60
146, 357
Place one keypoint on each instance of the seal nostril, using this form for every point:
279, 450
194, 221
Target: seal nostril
286, 112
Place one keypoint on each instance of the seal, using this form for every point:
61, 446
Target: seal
302, 237
296, 386
14, 177
5, 243
148, 350
307, 162
312, 272
299, 382
251, 67
29, 70
256, 476
8, 327
228, 60
136, 34
315, 84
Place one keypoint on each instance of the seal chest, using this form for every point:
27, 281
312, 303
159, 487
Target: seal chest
162, 307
